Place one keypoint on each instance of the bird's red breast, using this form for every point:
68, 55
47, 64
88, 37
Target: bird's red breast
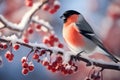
72, 35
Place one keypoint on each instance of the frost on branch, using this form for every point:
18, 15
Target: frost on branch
50, 51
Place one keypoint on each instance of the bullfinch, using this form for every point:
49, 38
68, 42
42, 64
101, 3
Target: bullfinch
79, 35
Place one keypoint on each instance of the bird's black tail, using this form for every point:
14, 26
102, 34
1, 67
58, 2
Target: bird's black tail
102, 47
98, 43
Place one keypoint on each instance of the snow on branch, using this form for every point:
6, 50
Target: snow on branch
89, 61
25, 20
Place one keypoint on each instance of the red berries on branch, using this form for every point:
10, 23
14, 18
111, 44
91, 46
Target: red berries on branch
51, 7
27, 67
9, 56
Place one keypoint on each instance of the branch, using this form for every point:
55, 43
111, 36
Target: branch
100, 63
89, 61
25, 20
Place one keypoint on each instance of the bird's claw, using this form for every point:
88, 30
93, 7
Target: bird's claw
77, 57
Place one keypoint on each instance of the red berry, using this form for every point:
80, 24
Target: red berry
29, 3
25, 40
7, 55
59, 59
5, 46
10, 59
45, 41
53, 69
46, 7
54, 64
60, 45
52, 11
51, 37
56, 6
16, 46
25, 71
45, 63
24, 59
49, 67
31, 68
51, 43
36, 56
25, 65
38, 27
30, 30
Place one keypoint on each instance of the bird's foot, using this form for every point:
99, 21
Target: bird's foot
77, 57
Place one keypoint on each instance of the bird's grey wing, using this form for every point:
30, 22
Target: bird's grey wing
83, 26
86, 30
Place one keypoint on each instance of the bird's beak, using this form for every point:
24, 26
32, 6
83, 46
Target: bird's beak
62, 17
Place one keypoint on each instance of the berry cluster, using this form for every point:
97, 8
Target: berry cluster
51, 7
3, 46
55, 63
27, 67
9, 56
52, 40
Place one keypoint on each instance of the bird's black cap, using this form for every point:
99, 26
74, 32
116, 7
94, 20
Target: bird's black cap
68, 13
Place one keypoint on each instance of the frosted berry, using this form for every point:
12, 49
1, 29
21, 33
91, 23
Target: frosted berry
45, 63
51, 37
30, 30
53, 69
31, 68
25, 65
51, 43
36, 56
24, 59
46, 7
49, 67
45, 41
25, 40
25, 71
5, 46
56, 6
59, 59
52, 11
38, 27
9, 56
60, 45
16, 46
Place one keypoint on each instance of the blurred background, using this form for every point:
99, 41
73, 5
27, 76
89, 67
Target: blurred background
102, 15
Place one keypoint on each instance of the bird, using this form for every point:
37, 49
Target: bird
79, 35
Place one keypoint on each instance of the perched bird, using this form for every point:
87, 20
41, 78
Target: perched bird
79, 35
